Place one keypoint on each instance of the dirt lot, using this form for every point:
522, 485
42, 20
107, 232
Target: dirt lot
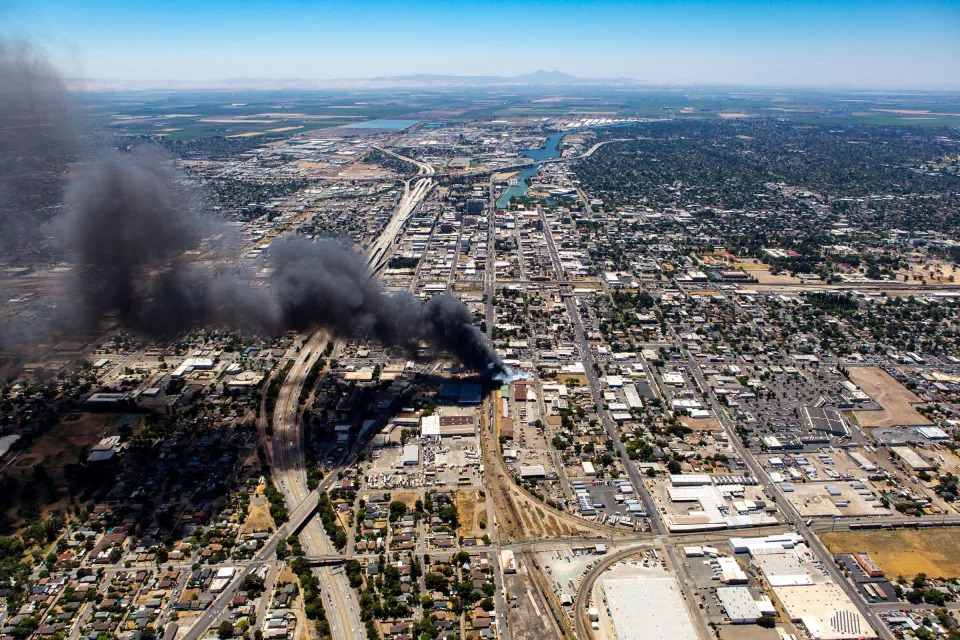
471, 511
897, 401
812, 499
935, 551
701, 424
408, 498
286, 575
64, 443
932, 271
258, 515
746, 632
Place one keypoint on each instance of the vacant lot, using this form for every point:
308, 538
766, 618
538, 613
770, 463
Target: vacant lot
762, 273
258, 514
897, 401
934, 551
409, 498
471, 511
67, 442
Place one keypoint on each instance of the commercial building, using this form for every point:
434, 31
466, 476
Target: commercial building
730, 571
644, 608
508, 562
868, 565
739, 604
459, 425
912, 459
533, 471
411, 455
933, 433
430, 426
825, 611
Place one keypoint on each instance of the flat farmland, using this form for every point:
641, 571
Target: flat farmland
897, 401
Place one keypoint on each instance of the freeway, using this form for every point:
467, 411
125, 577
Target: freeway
519, 165
424, 169
288, 464
286, 448
379, 251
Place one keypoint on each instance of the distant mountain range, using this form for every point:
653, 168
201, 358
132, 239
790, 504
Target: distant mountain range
539, 78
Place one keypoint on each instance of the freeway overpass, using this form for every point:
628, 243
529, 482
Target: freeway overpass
325, 561
304, 511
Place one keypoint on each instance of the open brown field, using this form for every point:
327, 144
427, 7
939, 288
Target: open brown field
701, 424
286, 575
762, 272
66, 443
471, 511
409, 498
258, 514
932, 272
934, 551
897, 401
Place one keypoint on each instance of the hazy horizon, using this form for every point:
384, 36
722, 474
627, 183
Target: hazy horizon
868, 45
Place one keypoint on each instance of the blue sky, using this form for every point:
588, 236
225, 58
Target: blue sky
871, 43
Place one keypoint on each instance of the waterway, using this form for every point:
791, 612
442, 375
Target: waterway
549, 150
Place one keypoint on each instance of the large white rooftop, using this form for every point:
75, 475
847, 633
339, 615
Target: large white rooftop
647, 608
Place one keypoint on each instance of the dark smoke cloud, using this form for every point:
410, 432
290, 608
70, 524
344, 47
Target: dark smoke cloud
135, 233
36, 142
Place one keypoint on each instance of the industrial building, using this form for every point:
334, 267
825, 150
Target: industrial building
730, 571
868, 565
643, 608
508, 561
912, 459
411, 455
825, 611
739, 604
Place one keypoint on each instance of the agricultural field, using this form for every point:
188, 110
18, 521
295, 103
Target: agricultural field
189, 115
933, 551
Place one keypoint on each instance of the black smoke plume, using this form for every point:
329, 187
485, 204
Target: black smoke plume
143, 250
36, 143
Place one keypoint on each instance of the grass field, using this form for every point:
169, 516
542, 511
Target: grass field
934, 551
897, 401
